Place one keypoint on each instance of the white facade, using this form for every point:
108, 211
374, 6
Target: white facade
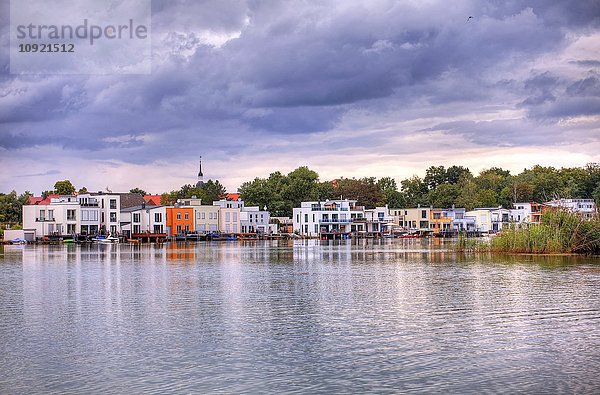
144, 219
330, 217
490, 219
253, 219
64, 215
378, 220
206, 217
110, 211
586, 207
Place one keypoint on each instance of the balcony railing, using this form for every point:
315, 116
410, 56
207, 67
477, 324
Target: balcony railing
334, 221
321, 208
43, 219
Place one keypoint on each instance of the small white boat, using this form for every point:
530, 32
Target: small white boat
106, 240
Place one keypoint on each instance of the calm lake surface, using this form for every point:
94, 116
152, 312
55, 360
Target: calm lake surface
391, 316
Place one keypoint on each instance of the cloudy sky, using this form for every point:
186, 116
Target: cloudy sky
352, 88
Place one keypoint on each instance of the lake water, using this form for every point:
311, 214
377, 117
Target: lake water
393, 316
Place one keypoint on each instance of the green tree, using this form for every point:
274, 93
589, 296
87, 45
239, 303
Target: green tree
364, 190
138, 190
64, 187
455, 173
443, 196
11, 206
83, 190
434, 176
414, 191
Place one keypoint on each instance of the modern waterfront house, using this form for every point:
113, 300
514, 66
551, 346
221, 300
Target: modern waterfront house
586, 207
59, 216
331, 218
229, 215
139, 220
254, 220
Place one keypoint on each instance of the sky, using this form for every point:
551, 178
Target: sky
352, 89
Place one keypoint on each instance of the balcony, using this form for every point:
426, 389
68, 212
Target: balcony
335, 221
88, 204
43, 219
321, 208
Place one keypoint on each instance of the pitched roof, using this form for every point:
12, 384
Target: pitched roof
152, 199
130, 199
38, 200
232, 196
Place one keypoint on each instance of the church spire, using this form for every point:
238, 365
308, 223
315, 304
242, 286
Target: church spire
200, 175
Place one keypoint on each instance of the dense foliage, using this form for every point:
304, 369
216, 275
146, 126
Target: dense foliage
10, 207
441, 187
560, 232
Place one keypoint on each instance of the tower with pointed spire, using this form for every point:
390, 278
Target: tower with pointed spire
200, 175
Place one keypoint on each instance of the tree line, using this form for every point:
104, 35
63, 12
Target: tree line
440, 187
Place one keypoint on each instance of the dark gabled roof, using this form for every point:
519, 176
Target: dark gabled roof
130, 199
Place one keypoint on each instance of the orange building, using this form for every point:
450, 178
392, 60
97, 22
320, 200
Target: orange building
180, 220
439, 221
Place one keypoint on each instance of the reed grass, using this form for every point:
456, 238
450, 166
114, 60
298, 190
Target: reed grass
561, 231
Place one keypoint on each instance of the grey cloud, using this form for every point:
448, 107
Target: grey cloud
298, 68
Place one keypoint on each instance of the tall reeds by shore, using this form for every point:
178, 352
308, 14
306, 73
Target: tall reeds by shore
561, 231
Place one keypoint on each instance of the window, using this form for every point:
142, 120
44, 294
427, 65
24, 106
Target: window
85, 215
71, 215
158, 229
187, 216
187, 228
203, 215
42, 215
227, 217
71, 228
423, 213
113, 217
313, 218
136, 217
297, 217
178, 215
157, 217
113, 229
137, 229
234, 218
306, 219
423, 224
178, 229
113, 204
51, 215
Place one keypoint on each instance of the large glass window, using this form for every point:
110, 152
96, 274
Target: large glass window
136, 217
157, 217
113, 204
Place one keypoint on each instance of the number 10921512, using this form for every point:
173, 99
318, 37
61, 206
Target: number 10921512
46, 48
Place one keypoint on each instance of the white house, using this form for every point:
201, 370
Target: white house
586, 207
253, 219
332, 217
143, 219
490, 219
110, 210
60, 215
206, 217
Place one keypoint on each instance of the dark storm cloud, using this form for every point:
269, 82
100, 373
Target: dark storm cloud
297, 68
